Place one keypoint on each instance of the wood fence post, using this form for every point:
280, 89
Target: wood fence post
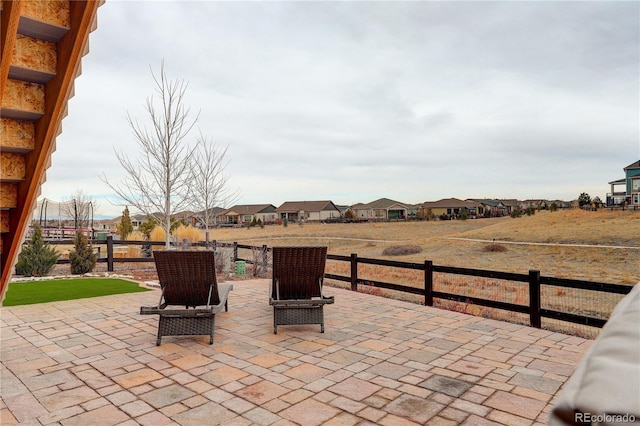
428, 283
110, 253
235, 251
265, 258
354, 272
534, 299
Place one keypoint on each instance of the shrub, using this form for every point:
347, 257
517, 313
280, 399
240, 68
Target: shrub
82, 258
517, 212
157, 234
37, 258
401, 250
494, 248
187, 233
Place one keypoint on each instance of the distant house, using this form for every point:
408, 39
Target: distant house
490, 207
246, 213
534, 204
110, 225
510, 203
214, 217
302, 211
631, 185
450, 207
383, 209
189, 217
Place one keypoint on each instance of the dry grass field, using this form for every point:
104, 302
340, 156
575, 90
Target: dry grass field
450, 243
597, 246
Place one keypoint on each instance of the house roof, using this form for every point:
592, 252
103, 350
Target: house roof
213, 211
251, 209
618, 181
385, 203
487, 201
381, 203
635, 165
449, 203
307, 206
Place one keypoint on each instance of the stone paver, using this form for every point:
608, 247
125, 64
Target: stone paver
380, 361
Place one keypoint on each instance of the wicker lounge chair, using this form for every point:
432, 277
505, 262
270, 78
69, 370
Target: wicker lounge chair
296, 288
187, 278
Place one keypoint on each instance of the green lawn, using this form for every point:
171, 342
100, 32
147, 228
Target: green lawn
28, 293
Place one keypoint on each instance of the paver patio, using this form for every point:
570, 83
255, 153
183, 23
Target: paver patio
380, 361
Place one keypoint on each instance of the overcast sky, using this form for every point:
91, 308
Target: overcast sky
354, 101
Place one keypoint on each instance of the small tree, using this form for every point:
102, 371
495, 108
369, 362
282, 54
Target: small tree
81, 208
209, 181
597, 201
158, 180
82, 258
37, 258
349, 215
584, 199
145, 228
125, 227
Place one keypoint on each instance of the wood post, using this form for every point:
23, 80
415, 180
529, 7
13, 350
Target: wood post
534, 299
428, 283
354, 272
110, 253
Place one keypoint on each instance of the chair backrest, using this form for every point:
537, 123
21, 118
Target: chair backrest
298, 271
186, 277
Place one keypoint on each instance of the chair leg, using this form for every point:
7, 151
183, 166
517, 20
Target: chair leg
322, 328
158, 341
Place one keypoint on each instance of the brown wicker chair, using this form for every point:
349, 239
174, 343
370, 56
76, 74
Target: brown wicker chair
187, 278
296, 288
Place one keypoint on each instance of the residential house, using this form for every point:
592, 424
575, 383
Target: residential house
303, 211
631, 185
382, 209
561, 204
510, 203
534, 204
490, 207
247, 213
213, 216
450, 208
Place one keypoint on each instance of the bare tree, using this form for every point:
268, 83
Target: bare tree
209, 181
158, 182
81, 208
